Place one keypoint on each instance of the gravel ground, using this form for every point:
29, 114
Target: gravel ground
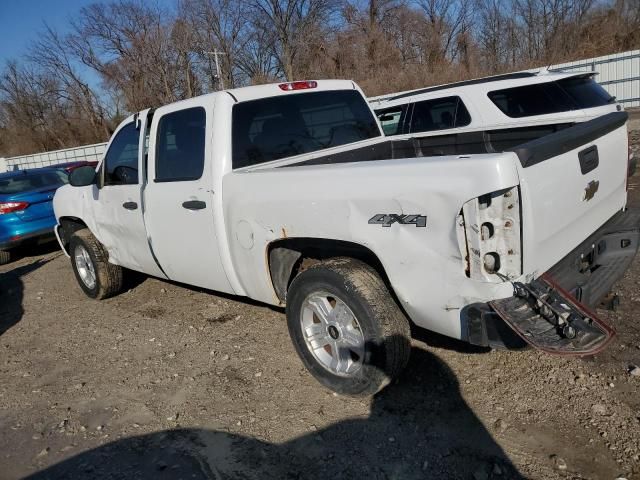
165, 381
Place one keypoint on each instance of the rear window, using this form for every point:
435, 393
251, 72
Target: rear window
32, 181
551, 97
278, 127
586, 92
439, 114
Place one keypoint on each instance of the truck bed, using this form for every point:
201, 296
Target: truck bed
523, 141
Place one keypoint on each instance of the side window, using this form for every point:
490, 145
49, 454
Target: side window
180, 145
531, 100
390, 120
586, 92
121, 161
439, 114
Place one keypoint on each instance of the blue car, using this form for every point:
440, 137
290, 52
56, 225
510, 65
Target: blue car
26, 207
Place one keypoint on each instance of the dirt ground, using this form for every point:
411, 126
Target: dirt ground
165, 381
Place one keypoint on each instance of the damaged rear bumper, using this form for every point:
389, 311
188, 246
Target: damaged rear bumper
554, 312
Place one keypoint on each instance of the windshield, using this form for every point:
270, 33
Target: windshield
32, 181
283, 126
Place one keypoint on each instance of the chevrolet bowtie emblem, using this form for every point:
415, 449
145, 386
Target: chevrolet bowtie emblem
590, 190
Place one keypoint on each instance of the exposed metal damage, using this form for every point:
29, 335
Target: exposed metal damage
489, 235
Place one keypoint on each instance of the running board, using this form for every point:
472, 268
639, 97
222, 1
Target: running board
551, 320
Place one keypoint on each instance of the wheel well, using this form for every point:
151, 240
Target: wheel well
68, 226
290, 256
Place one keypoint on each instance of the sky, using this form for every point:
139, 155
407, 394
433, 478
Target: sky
21, 20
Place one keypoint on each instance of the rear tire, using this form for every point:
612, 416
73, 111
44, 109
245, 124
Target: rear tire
346, 327
97, 277
5, 257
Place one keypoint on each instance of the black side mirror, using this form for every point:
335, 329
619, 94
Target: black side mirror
83, 176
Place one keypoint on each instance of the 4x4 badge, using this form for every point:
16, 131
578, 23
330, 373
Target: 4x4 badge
388, 219
590, 190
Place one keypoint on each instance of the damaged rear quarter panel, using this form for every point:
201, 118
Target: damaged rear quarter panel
336, 202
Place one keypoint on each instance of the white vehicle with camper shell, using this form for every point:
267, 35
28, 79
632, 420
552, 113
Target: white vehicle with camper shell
493, 113
289, 194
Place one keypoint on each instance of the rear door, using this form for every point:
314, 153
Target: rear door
572, 182
179, 196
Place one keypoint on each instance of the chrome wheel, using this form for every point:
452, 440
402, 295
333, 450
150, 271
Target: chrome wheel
332, 333
85, 268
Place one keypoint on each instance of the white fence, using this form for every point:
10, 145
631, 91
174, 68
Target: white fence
86, 152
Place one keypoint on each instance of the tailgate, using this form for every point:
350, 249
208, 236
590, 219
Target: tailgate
551, 320
571, 182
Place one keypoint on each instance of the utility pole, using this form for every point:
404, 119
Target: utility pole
215, 54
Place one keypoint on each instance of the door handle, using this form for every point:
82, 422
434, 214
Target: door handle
130, 205
194, 204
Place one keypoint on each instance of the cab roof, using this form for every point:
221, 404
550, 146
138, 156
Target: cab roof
276, 89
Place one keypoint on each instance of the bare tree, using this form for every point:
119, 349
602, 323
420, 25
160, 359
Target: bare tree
218, 25
51, 55
134, 47
445, 21
292, 22
147, 54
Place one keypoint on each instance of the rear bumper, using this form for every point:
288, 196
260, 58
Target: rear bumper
589, 272
40, 236
15, 233
583, 279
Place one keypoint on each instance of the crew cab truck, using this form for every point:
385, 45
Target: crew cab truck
289, 194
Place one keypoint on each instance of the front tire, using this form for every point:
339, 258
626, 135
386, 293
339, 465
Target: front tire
97, 277
346, 327
5, 257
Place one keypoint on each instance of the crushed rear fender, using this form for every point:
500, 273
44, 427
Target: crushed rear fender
550, 319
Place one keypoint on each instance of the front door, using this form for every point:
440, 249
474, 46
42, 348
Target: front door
118, 209
179, 196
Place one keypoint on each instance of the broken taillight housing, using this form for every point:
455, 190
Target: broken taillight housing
10, 207
631, 167
489, 236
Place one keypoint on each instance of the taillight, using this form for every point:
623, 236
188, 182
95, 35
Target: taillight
303, 85
489, 236
9, 207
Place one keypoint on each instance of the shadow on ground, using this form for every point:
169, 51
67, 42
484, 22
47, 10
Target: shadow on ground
12, 292
419, 427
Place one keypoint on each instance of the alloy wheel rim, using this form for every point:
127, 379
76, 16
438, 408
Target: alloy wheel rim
85, 268
332, 334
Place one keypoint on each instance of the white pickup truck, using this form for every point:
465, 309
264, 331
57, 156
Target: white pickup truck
289, 194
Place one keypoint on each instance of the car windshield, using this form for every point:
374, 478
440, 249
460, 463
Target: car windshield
32, 181
283, 126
